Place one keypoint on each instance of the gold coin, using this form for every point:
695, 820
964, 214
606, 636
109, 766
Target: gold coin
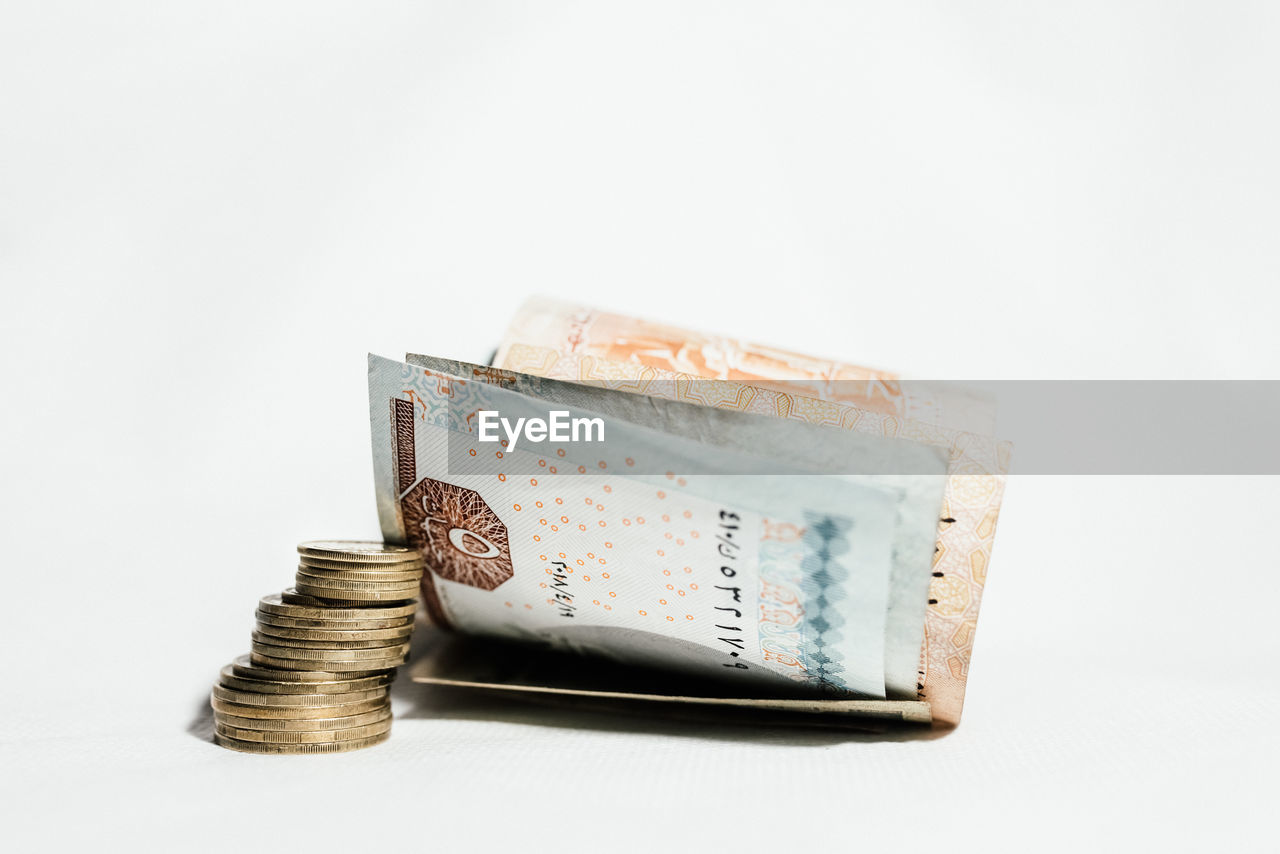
363, 668
326, 597
304, 737
228, 694
246, 668
397, 623
306, 643
352, 599
295, 712
385, 578
377, 653
340, 685
369, 602
343, 585
362, 597
321, 610
358, 551
346, 591
335, 635
298, 749
371, 568
307, 725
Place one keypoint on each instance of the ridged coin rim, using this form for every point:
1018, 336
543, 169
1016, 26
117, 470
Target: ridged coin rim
361, 566
316, 724
276, 737
297, 712
320, 580
312, 643
245, 664
280, 688
312, 700
339, 667
358, 598
324, 611
377, 653
332, 625
335, 635
265, 748
366, 551
358, 577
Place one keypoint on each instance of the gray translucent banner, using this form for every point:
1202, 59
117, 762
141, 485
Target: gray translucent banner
874, 427
1138, 426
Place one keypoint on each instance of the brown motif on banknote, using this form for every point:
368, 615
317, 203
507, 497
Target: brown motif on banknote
462, 538
405, 462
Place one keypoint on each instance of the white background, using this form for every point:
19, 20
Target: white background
208, 215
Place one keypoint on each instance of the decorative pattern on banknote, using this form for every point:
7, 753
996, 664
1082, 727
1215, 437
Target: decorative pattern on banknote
468, 398
971, 505
781, 601
463, 539
429, 393
824, 587
619, 338
405, 458
449, 401
568, 328
404, 449
965, 534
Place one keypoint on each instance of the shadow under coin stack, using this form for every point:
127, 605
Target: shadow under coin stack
318, 679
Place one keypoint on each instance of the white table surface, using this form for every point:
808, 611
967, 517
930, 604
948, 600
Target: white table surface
208, 216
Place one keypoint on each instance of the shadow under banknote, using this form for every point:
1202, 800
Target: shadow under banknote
466, 678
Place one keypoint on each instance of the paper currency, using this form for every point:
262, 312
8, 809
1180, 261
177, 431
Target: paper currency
563, 328
580, 344
716, 543
916, 514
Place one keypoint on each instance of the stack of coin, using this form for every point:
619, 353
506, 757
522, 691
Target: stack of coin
318, 677
355, 572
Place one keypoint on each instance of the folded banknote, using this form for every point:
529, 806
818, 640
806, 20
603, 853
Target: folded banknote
653, 547
550, 338
754, 535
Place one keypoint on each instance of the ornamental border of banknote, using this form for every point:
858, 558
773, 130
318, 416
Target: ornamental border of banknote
554, 340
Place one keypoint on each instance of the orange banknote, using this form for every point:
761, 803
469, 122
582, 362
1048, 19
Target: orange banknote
560, 341
567, 328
